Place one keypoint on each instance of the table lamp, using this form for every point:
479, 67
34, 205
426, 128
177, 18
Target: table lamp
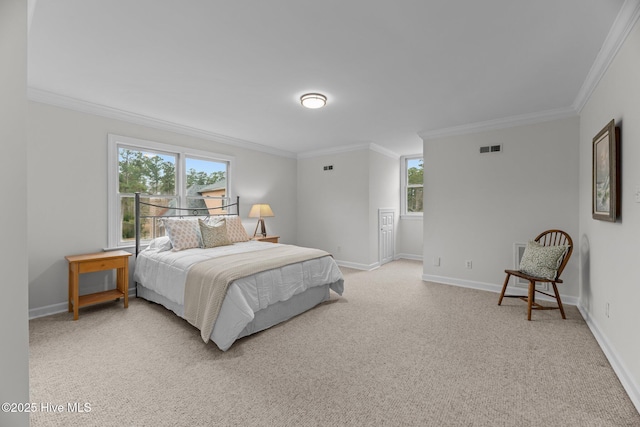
260, 211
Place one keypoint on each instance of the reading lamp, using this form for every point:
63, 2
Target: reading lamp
260, 211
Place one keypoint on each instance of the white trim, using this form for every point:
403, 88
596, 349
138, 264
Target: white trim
491, 287
169, 148
621, 370
45, 97
383, 151
502, 123
626, 19
61, 307
414, 216
409, 256
358, 266
346, 149
48, 310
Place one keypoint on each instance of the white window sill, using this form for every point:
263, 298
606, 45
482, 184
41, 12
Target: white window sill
414, 217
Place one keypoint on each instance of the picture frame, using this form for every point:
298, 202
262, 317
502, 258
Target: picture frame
605, 200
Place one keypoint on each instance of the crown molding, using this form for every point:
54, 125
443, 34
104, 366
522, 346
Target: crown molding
348, 148
622, 26
383, 151
45, 97
503, 123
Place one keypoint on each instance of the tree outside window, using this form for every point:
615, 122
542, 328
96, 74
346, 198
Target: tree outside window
414, 185
154, 175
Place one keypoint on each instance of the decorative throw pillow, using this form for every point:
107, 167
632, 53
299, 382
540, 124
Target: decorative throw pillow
214, 235
184, 233
542, 261
235, 230
160, 244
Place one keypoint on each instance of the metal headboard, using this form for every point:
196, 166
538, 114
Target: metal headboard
223, 209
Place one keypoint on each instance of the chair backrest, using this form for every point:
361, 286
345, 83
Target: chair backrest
557, 238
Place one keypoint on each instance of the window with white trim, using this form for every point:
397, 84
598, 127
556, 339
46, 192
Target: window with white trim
164, 174
412, 169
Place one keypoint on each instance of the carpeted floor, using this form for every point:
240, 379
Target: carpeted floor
392, 351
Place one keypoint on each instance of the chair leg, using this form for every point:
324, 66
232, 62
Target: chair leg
504, 288
555, 290
530, 298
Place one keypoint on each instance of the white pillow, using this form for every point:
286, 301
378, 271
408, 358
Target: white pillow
184, 233
160, 244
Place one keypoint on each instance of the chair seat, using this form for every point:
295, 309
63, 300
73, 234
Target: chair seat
526, 276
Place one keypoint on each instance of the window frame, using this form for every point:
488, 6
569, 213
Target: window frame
115, 142
404, 180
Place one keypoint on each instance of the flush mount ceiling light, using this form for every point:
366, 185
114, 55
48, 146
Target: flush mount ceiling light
313, 100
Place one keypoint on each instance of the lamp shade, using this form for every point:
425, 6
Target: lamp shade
260, 210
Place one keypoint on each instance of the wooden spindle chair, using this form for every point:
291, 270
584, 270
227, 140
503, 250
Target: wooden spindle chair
546, 238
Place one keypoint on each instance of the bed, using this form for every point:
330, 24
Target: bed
229, 290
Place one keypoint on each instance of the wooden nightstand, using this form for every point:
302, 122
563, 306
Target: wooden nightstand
270, 239
88, 263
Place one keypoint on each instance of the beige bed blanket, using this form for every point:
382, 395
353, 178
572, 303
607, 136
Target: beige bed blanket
207, 281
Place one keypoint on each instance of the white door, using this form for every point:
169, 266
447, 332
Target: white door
386, 238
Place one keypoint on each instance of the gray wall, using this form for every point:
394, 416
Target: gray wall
477, 206
338, 209
609, 251
14, 331
409, 238
384, 192
67, 183
67, 191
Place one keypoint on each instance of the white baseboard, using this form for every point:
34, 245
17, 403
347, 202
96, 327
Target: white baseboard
60, 307
47, 310
409, 256
630, 386
358, 266
492, 287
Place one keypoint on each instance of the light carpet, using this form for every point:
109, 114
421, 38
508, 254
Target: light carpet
393, 351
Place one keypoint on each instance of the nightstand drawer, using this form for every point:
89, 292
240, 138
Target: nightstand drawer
100, 265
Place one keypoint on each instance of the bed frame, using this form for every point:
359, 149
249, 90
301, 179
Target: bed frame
224, 209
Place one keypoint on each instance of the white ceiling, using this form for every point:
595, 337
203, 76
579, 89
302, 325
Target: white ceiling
391, 69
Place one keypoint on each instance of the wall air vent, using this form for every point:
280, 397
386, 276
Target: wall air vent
491, 149
328, 168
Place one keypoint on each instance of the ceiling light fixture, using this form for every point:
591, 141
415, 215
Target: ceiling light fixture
313, 100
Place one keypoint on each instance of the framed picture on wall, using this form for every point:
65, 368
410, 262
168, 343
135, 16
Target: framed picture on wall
606, 174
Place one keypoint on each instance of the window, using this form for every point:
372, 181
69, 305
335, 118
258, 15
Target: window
412, 185
165, 175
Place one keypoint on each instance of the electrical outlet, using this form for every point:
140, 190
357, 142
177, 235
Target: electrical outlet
436, 261
606, 310
468, 263
339, 249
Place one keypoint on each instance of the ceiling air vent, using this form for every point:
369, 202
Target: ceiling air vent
491, 149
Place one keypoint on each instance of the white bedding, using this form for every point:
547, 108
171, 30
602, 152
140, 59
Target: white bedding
165, 272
